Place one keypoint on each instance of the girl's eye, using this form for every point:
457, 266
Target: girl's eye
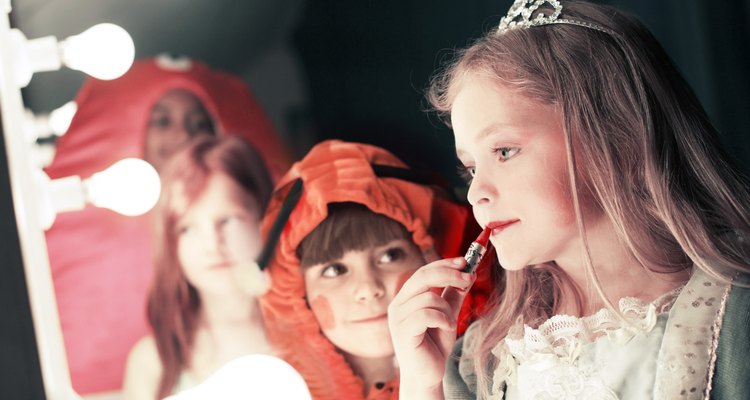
391, 255
228, 220
506, 153
198, 125
159, 121
333, 270
183, 230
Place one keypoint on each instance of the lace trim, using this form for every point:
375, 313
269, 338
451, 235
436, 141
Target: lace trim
560, 338
562, 333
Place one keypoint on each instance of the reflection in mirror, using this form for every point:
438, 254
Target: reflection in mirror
150, 112
206, 236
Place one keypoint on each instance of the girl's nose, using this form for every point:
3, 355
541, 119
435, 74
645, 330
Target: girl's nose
481, 189
369, 287
215, 242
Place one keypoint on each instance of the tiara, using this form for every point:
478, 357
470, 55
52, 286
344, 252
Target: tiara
522, 15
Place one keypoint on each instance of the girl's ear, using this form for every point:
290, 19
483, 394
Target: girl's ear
430, 255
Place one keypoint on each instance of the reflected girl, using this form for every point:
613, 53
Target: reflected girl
147, 113
178, 116
207, 226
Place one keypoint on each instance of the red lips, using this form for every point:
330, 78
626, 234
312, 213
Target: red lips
498, 226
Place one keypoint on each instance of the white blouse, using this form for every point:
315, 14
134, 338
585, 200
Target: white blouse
665, 350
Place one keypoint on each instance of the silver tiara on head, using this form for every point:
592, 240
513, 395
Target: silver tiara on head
528, 13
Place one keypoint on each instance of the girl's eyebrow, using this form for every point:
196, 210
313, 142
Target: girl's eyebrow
497, 128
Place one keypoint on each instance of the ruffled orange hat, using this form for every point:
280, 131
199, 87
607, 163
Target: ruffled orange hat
101, 261
336, 171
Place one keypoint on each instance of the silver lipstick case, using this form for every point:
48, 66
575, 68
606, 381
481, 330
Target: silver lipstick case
473, 257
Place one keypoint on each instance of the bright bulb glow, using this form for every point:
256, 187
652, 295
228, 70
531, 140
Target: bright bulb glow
104, 51
256, 376
130, 187
60, 118
45, 125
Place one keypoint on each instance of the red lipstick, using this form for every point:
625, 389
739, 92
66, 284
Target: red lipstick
476, 251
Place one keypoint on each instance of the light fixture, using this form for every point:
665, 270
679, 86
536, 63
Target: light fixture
30, 187
42, 131
255, 376
56, 123
129, 187
104, 51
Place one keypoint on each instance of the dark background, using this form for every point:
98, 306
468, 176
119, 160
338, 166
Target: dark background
354, 70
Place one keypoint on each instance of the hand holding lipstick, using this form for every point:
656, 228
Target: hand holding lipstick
476, 250
423, 324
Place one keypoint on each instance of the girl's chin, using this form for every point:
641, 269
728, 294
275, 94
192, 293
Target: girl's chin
510, 264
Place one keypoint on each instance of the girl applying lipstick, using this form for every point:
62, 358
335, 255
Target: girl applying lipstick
618, 222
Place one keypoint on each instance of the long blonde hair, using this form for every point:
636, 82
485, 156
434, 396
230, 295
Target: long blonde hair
649, 154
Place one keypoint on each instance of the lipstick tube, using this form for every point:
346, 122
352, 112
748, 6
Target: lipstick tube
476, 251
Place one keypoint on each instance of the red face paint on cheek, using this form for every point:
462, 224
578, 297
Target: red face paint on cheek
323, 312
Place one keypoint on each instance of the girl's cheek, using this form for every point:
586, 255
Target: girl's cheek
401, 280
321, 307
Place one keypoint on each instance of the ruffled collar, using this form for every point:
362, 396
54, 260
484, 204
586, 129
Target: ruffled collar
559, 340
563, 335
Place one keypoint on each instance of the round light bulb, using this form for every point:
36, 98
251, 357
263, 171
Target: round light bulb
255, 376
60, 118
104, 51
130, 187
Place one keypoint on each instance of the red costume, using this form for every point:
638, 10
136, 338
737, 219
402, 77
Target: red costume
336, 171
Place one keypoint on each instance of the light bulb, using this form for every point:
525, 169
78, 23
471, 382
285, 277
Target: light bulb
43, 126
60, 118
130, 187
255, 376
104, 51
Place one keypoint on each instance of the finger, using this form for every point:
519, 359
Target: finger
454, 298
416, 326
439, 274
424, 300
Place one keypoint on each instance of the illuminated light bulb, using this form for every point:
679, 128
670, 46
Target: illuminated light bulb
44, 126
256, 376
104, 51
60, 118
130, 187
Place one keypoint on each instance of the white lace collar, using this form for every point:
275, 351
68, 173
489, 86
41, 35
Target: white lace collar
560, 339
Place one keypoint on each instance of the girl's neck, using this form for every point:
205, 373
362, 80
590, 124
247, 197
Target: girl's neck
230, 327
372, 370
229, 309
233, 322
619, 272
